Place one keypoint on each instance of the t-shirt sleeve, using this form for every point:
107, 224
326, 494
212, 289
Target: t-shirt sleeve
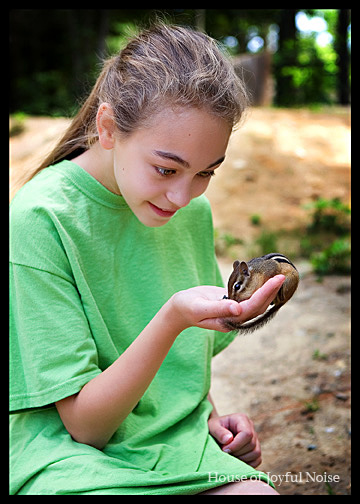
52, 352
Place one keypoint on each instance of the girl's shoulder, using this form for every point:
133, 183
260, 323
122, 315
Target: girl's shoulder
43, 190
37, 213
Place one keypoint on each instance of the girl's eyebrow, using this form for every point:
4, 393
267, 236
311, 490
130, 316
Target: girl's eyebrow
219, 161
179, 160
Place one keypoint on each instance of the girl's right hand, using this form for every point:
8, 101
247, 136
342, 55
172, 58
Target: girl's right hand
205, 307
202, 306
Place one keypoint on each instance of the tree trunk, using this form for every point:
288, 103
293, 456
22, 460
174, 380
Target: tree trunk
286, 57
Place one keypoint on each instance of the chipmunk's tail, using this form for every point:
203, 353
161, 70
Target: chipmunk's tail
256, 323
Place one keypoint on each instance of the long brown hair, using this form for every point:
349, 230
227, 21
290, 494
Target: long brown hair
162, 65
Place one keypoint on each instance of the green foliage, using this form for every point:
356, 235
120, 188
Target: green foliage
55, 53
327, 241
312, 406
119, 36
17, 124
334, 259
266, 242
311, 73
329, 215
48, 94
255, 219
317, 355
226, 244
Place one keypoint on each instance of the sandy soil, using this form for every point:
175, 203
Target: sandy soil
276, 163
291, 377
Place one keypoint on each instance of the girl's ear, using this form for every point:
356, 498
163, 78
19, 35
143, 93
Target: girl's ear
106, 126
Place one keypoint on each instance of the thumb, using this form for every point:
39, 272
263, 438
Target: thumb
222, 435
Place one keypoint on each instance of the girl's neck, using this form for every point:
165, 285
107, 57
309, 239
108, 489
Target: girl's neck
99, 163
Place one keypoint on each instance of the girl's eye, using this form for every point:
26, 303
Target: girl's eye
206, 174
163, 171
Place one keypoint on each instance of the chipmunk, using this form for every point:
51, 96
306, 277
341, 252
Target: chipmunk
246, 278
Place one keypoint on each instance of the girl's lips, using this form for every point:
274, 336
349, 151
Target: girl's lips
161, 212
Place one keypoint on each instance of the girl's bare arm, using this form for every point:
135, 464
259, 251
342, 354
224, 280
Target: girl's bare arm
93, 415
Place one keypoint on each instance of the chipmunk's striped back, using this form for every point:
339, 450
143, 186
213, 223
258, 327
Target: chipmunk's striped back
280, 258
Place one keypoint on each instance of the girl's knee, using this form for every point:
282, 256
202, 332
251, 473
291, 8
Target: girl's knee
246, 487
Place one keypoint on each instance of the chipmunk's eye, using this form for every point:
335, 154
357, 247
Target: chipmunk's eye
237, 286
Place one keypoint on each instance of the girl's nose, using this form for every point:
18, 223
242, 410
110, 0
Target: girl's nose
179, 196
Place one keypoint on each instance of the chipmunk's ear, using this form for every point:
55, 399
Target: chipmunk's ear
236, 264
244, 268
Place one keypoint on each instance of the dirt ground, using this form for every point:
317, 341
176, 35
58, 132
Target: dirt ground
291, 377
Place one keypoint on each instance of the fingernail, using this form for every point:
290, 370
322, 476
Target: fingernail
226, 438
280, 277
234, 308
226, 450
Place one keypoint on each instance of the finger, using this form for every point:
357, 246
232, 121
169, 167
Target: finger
251, 455
255, 463
269, 290
248, 449
243, 429
251, 458
222, 435
220, 308
213, 310
242, 443
262, 298
218, 429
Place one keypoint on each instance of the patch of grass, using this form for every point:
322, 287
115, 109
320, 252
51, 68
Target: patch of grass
312, 406
17, 124
327, 239
255, 219
225, 244
334, 259
317, 355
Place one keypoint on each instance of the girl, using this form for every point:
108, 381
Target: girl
116, 302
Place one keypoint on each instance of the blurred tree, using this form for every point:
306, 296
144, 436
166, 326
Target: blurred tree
343, 56
49, 66
307, 72
286, 58
55, 53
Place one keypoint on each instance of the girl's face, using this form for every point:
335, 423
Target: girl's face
160, 169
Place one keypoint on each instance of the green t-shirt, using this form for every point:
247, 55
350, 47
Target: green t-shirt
86, 277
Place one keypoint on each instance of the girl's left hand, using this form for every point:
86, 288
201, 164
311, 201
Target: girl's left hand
236, 435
